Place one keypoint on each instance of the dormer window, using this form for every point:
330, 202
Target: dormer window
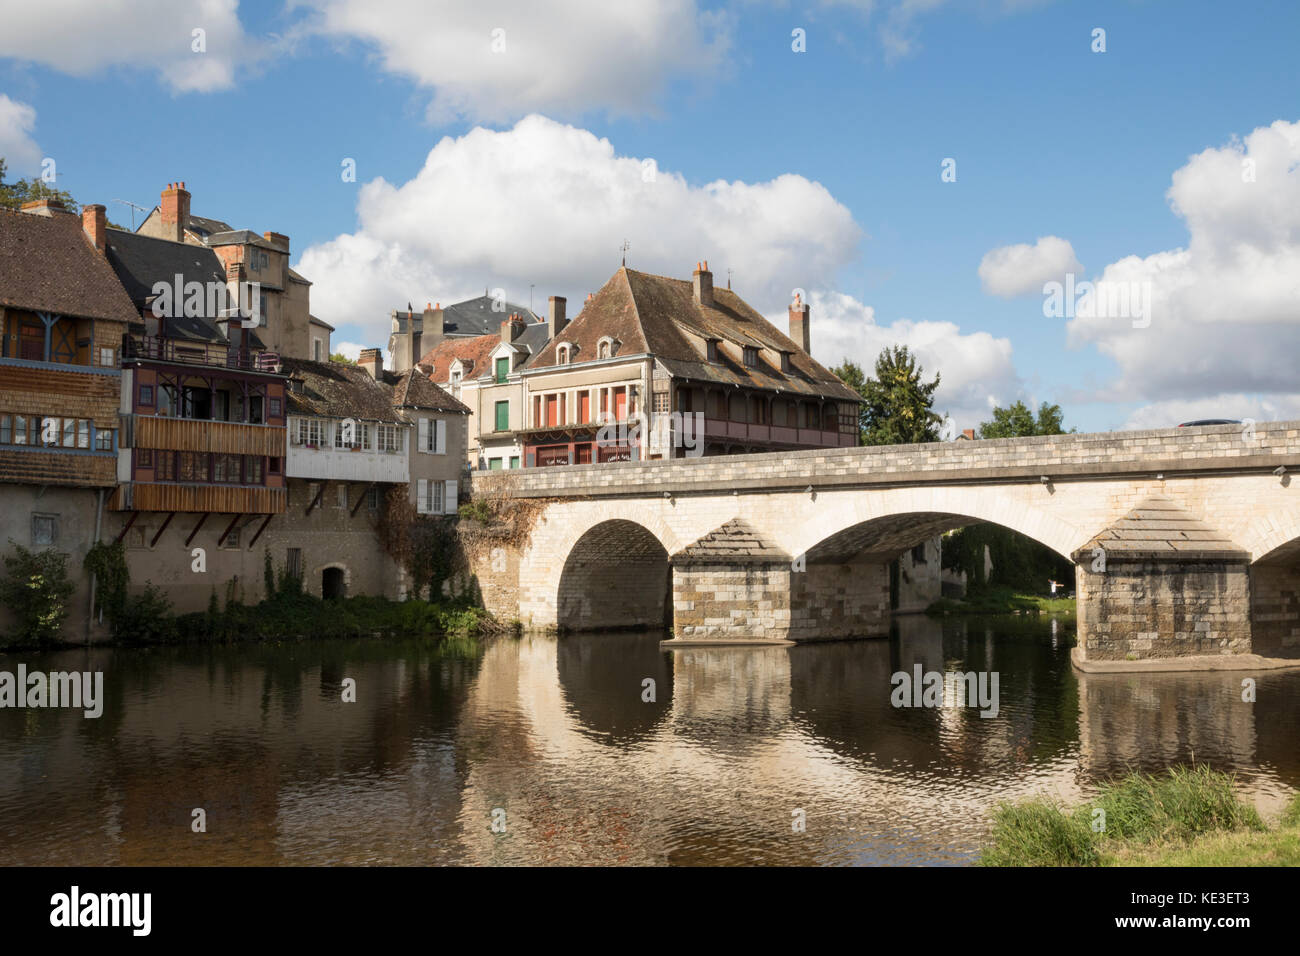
712, 350
607, 347
785, 363
563, 354
751, 356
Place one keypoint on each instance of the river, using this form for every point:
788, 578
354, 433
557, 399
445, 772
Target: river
744, 756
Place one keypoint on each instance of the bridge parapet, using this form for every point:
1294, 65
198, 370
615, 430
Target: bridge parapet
1170, 451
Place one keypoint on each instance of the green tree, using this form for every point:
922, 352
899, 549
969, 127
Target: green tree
13, 195
851, 374
1017, 421
898, 402
36, 589
341, 358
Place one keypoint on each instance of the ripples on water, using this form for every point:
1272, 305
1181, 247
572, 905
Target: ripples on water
555, 733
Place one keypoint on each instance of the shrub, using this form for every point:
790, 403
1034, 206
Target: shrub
146, 618
36, 589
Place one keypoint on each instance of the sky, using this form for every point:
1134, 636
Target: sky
921, 171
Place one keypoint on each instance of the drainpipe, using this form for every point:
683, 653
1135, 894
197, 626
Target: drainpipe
99, 513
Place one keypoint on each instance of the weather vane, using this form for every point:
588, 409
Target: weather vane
625, 247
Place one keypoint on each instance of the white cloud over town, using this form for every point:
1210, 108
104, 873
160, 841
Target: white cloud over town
497, 62
550, 204
84, 37
21, 154
1225, 308
1022, 269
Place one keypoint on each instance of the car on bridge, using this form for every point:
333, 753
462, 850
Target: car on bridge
1210, 421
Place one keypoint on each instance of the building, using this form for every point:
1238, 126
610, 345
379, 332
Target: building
483, 371
62, 319
659, 367
286, 325
416, 333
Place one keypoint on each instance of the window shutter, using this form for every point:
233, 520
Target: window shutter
295, 434
440, 434
422, 496
449, 501
423, 427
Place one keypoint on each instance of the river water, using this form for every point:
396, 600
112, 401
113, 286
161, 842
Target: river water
745, 755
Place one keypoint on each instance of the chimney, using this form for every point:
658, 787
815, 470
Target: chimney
175, 209
512, 328
703, 284
277, 239
43, 207
433, 327
799, 324
555, 320
92, 220
372, 360
969, 433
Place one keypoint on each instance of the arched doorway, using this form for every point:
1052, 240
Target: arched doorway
332, 584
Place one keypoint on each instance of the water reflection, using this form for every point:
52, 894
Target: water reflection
559, 736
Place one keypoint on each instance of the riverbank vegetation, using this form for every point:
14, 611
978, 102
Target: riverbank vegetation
1002, 600
1182, 817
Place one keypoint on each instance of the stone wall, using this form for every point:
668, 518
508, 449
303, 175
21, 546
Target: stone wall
1159, 608
1275, 609
833, 601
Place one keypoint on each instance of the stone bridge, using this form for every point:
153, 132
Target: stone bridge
1186, 542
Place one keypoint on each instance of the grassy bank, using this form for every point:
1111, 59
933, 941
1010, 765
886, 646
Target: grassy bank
1183, 817
1002, 601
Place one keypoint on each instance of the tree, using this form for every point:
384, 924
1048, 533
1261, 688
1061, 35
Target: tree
13, 195
851, 374
1017, 421
898, 402
36, 589
341, 358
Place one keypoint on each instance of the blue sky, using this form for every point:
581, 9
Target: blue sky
1049, 138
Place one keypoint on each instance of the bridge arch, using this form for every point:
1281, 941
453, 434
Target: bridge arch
615, 577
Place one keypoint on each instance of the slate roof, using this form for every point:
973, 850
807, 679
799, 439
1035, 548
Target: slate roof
141, 261
48, 264
472, 317
413, 389
203, 227
1160, 528
659, 315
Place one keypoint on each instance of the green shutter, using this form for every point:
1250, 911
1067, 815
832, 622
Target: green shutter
503, 416
503, 369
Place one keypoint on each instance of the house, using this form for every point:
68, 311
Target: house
286, 323
415, 333
483, 371
659, 367
62, 319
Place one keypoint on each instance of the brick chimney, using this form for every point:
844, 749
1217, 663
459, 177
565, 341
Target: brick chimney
43, 207
969, 433
799, 324
93, 221
512, 328
555, 320
703, 284
372, 360
175, 211
433, 328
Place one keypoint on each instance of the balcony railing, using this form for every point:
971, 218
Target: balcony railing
162, 349
201, 435
777, 434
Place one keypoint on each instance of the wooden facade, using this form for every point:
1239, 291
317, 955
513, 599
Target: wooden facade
181, 434
206, 498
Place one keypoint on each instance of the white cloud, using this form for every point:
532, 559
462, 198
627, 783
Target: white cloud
551, 204
1225, 310
1238, 406
497, 62
350, 350
1022, 269
21, 154
82, 37
976, 370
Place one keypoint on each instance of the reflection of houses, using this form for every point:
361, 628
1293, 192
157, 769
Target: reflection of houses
483, 372
647, 345
62, 317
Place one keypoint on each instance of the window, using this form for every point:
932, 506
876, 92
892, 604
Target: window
276, 406
231, 540
372, 499
83, 433
661, 402
602, 350
316, 350
225, 468
607, 347
436, 505
166, 466
252, 469
107, 357
502, 416
193, 466
562, 354
785, 362
69, 433
387, 438
167, 400
514, 461
310, 432
712, 349
293, 562
45, 530
494, 464
273, 466
342, 500
6, 429
432, 436
20, 430
503, 370
144, 456
751, 356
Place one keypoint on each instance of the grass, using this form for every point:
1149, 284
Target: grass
1183, 817
1002, 601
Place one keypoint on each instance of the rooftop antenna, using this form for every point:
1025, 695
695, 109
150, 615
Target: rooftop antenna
530, 297
134, 207
625, 247
728, 278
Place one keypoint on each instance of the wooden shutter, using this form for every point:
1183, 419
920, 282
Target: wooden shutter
449, 499
423, 436
440, 437
422, 496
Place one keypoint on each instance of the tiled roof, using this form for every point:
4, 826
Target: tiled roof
413, 389
335, 390
48, 264
141, 261
436, 363
659, 315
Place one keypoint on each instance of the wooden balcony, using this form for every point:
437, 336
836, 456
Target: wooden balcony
776, 434
218, 499
189, 434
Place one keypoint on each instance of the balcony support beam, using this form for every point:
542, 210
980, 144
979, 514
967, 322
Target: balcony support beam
260, 530
126, 527
229, 528
197, 526
360, 498
166, 522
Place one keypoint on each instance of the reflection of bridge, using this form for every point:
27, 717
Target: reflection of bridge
1186, 541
